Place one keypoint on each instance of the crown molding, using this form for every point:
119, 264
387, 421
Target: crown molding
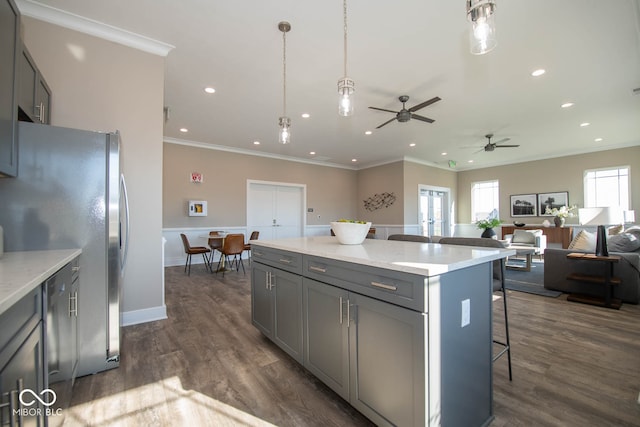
207, 146
92, 27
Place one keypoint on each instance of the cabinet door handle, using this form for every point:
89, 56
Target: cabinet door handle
73, 304
318, 269
254, 253
384, 286
341, 310
348, 314
286, 261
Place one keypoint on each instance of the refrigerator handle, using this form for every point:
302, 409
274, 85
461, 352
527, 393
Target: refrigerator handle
125, 251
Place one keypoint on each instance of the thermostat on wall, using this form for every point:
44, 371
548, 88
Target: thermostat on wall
197, 208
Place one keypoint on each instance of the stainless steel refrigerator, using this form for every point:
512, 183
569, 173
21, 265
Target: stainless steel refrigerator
70, 193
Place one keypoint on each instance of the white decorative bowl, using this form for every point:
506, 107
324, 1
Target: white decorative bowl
350, 233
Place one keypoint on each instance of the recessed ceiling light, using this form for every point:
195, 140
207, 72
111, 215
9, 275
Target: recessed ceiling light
538, 72
256, 142
413, 144
368, 132
354, 160
184, 130
444, 153
313, 153
306, 115
598, 139
469, 161
584, 124
209, 90
567, 105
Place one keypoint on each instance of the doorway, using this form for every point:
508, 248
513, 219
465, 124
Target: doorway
434, 215
275, 209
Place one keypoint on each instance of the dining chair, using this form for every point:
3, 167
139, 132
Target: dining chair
498, 284
215, 240
194, 250
233, 246
247, 246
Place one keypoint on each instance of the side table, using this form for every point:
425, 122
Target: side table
606, 279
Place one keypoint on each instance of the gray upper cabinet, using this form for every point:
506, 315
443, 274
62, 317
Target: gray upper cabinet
34, 95
9, 49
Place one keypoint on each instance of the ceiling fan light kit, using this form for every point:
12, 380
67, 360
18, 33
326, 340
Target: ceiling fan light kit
284, 122
346, 86
482, 36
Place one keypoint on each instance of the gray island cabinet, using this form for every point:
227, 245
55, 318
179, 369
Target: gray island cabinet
400, 330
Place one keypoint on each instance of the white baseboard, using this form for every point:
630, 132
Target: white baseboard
142, 316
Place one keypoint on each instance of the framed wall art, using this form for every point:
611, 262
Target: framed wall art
552, 200
524, 205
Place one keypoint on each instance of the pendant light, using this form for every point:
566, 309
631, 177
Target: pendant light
346, 86
284, 122
483, 31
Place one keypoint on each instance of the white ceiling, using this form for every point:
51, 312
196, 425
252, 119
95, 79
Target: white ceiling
590, 50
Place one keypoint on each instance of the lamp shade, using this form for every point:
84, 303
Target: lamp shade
610, 215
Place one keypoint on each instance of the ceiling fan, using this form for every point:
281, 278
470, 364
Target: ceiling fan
493, 145
405, 114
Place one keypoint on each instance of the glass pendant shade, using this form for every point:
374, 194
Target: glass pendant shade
346, 88
482, 36
284, 135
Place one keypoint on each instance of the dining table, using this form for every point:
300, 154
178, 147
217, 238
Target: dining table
216, 241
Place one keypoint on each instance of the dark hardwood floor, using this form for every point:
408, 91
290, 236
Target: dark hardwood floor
573, 365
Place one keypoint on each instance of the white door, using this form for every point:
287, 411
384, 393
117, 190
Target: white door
275, 210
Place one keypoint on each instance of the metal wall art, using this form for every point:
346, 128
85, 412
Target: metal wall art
377, 201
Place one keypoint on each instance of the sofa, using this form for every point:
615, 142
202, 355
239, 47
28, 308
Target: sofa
626, 245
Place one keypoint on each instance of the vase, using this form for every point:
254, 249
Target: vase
489, 233
558, 221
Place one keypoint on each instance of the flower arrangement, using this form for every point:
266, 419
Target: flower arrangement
562, 212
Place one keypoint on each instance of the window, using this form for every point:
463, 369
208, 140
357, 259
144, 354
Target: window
484, 199
607, 187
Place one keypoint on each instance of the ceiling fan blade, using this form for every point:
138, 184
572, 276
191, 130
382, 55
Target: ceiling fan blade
502, 140
382, 109
424, 104
386, 123
424, 119
506, 146
480, 150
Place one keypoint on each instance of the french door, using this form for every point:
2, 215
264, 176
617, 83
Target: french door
276, 210
434, 212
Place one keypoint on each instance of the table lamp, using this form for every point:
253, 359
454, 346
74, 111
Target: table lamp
601, 217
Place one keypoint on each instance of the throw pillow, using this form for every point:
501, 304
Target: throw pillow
624, 242
584, 241
616, 229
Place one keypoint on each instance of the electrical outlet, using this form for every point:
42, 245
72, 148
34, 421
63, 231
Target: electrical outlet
466, 312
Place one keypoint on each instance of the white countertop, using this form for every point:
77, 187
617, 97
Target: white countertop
425, 259
21, 272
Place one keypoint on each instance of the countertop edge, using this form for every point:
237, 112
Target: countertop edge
420, 265
42, 265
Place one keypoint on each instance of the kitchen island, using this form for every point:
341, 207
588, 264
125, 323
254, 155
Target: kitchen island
401, 330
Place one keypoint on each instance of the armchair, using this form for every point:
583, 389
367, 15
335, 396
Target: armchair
528, 238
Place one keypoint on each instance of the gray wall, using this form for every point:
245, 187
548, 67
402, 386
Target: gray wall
331, 192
